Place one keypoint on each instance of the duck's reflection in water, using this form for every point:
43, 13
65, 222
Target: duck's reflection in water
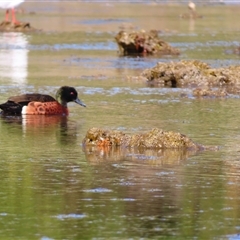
14, 57
45, 128
97, 155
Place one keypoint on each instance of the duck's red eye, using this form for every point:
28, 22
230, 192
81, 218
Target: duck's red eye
72, 93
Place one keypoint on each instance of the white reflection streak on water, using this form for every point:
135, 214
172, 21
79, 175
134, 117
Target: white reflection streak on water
14, 57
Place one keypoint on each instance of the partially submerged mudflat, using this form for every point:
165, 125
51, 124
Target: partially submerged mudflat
154, 139
143, 43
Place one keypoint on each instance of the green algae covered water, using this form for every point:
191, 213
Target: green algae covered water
53, 188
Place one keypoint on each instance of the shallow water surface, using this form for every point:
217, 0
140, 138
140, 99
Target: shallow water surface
52, 187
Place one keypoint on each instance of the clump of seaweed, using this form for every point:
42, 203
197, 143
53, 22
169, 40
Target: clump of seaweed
154, 139
143, 43
195, 74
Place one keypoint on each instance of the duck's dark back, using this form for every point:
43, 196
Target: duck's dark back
26, 98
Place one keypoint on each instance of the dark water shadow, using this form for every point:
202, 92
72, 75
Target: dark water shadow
97, 155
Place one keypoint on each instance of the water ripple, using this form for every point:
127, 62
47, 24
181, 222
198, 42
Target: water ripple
98, 190
123, 199
131, 91
193, 45
71, 215
74, 46
114, 63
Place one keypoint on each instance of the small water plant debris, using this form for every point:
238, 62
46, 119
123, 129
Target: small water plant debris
143, 43
209, 92
236, 50
7, 26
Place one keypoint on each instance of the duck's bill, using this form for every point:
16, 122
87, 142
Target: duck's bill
78, 101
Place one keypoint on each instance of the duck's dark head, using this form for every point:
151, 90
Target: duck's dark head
67, 94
